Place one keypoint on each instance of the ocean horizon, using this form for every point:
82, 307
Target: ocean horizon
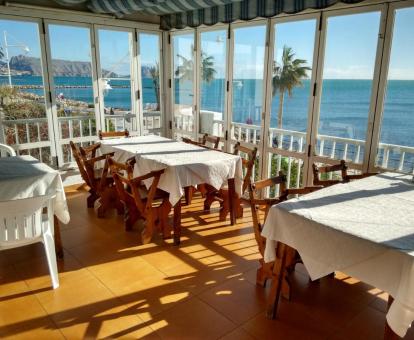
345, 103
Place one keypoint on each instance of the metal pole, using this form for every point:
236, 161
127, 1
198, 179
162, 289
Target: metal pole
6, 47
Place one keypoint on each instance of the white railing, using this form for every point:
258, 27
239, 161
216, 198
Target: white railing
184, 123
31, 136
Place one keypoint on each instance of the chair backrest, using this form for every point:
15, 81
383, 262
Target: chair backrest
131, 189
88, 155
113, 134
190, 141
6, 150
256, 203
213, 140
21, 220
79, 161
248, 163
322, 170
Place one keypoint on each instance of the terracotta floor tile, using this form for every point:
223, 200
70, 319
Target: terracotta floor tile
192, 319
237, 299
292, 322
113, 286
238, 334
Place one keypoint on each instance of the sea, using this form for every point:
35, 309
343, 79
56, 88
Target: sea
345, 104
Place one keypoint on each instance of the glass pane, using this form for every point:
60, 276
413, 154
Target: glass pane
346, 88
291, 85
396, 148
183, 79
22, 97
149, 47
248, 67
72, 74
212, 80
115, 81
292, 167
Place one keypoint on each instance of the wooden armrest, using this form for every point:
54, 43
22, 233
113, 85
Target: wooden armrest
99, 158
360, 176
301, 191
151, 174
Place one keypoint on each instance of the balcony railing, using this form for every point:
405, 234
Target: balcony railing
31, 136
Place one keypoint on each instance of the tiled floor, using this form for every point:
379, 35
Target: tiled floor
112, 286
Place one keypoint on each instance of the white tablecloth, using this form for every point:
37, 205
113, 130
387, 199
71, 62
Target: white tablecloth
184, 164
364, 228
25, 177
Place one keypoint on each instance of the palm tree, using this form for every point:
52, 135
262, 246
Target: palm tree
286, 76
155, 75
185, 70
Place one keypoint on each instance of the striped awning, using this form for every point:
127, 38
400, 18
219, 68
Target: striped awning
193, 13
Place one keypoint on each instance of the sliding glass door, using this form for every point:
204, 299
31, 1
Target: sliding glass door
290, 91
183, 85
346, 86
150, 81
73, 75
116, 75
213, 79
395, 123
24, 122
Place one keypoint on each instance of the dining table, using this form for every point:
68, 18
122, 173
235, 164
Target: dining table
185, 165
25, 177
364, 228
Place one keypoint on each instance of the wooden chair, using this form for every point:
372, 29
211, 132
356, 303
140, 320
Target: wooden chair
286, 257
342, 167
222, 195
152, 206
324, 170
100, 179
190, 141
212, 140
113, 134
93, 195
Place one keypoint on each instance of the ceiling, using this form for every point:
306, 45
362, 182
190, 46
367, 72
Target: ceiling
82, 5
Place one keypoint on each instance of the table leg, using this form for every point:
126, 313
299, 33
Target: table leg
232, 203
177, 222
277, 281
388, 332
58, 240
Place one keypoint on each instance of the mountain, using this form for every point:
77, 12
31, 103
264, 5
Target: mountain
24, 65
31, 66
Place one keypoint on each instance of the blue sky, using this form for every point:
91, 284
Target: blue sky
350, 45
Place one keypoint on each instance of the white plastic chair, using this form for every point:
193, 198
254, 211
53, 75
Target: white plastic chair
23, 222
6, 149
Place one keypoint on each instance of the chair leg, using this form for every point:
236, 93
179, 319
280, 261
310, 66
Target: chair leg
149, 228
49, 244
164, 226
277, 281
209, 200
90, 201
188, 192
225, 208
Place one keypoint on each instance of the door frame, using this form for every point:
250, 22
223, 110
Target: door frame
383, 79
313, 157
59, 145
200, 31
269, 149
173, 129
